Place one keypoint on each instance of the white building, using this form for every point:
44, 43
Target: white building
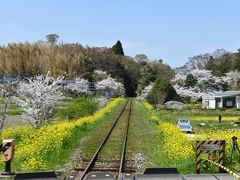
228, 99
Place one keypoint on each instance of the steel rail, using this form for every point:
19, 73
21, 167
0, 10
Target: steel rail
121, 168
91, 163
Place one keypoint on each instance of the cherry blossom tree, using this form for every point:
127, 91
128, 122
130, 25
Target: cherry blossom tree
145, 91
207, 84
37, 97
233, 79
99, 75
111, 86
100, 72
102, 101
199, 61
81, 86
193, 93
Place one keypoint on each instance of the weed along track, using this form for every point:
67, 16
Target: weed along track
111, 154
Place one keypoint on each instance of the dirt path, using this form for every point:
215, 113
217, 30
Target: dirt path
13, 121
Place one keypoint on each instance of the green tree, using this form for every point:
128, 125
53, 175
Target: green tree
237, 62
190, 81
220, 70
151, 99
222, 65
172, 95
159, 69
210, 64
160, 89
117, 48
52, 38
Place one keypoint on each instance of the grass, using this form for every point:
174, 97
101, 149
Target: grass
74, 108
66, 109
115, 141
198, 116
13, 109
176, 149
146, 138
96, 136
78, 139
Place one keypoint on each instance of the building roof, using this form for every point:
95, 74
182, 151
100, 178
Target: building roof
227, 93
223, 94
67, 81
174, 105
7, 80
208, 97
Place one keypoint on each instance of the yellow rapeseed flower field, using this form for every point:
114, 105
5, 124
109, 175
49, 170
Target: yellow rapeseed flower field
147, 105
34, 146
179, 146
174, 143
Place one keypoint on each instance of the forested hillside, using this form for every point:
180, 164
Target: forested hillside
209, 73
74, 60
71, 60
202, 74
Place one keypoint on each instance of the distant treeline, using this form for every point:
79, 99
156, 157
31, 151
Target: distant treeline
71, 60
223, 64
74, 60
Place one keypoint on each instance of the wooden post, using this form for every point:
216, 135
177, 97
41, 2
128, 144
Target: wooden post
219, 119
222, 156
197, 158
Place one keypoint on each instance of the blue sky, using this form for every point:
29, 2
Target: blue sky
172, 30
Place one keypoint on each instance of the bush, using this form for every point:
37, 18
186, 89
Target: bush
148, 106
76, 108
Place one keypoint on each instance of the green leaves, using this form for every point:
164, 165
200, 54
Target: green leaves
77, 108
162, 91
190, 81
117, 48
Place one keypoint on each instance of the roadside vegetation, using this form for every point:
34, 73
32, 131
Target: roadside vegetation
51, 146
177, 149
202, 119
70, 108
75, 108
13, 109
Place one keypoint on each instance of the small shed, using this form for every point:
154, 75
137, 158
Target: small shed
227, 99
174, 105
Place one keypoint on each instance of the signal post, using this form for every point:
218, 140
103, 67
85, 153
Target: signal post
7, 148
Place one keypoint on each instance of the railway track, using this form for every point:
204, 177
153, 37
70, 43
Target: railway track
111, 154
